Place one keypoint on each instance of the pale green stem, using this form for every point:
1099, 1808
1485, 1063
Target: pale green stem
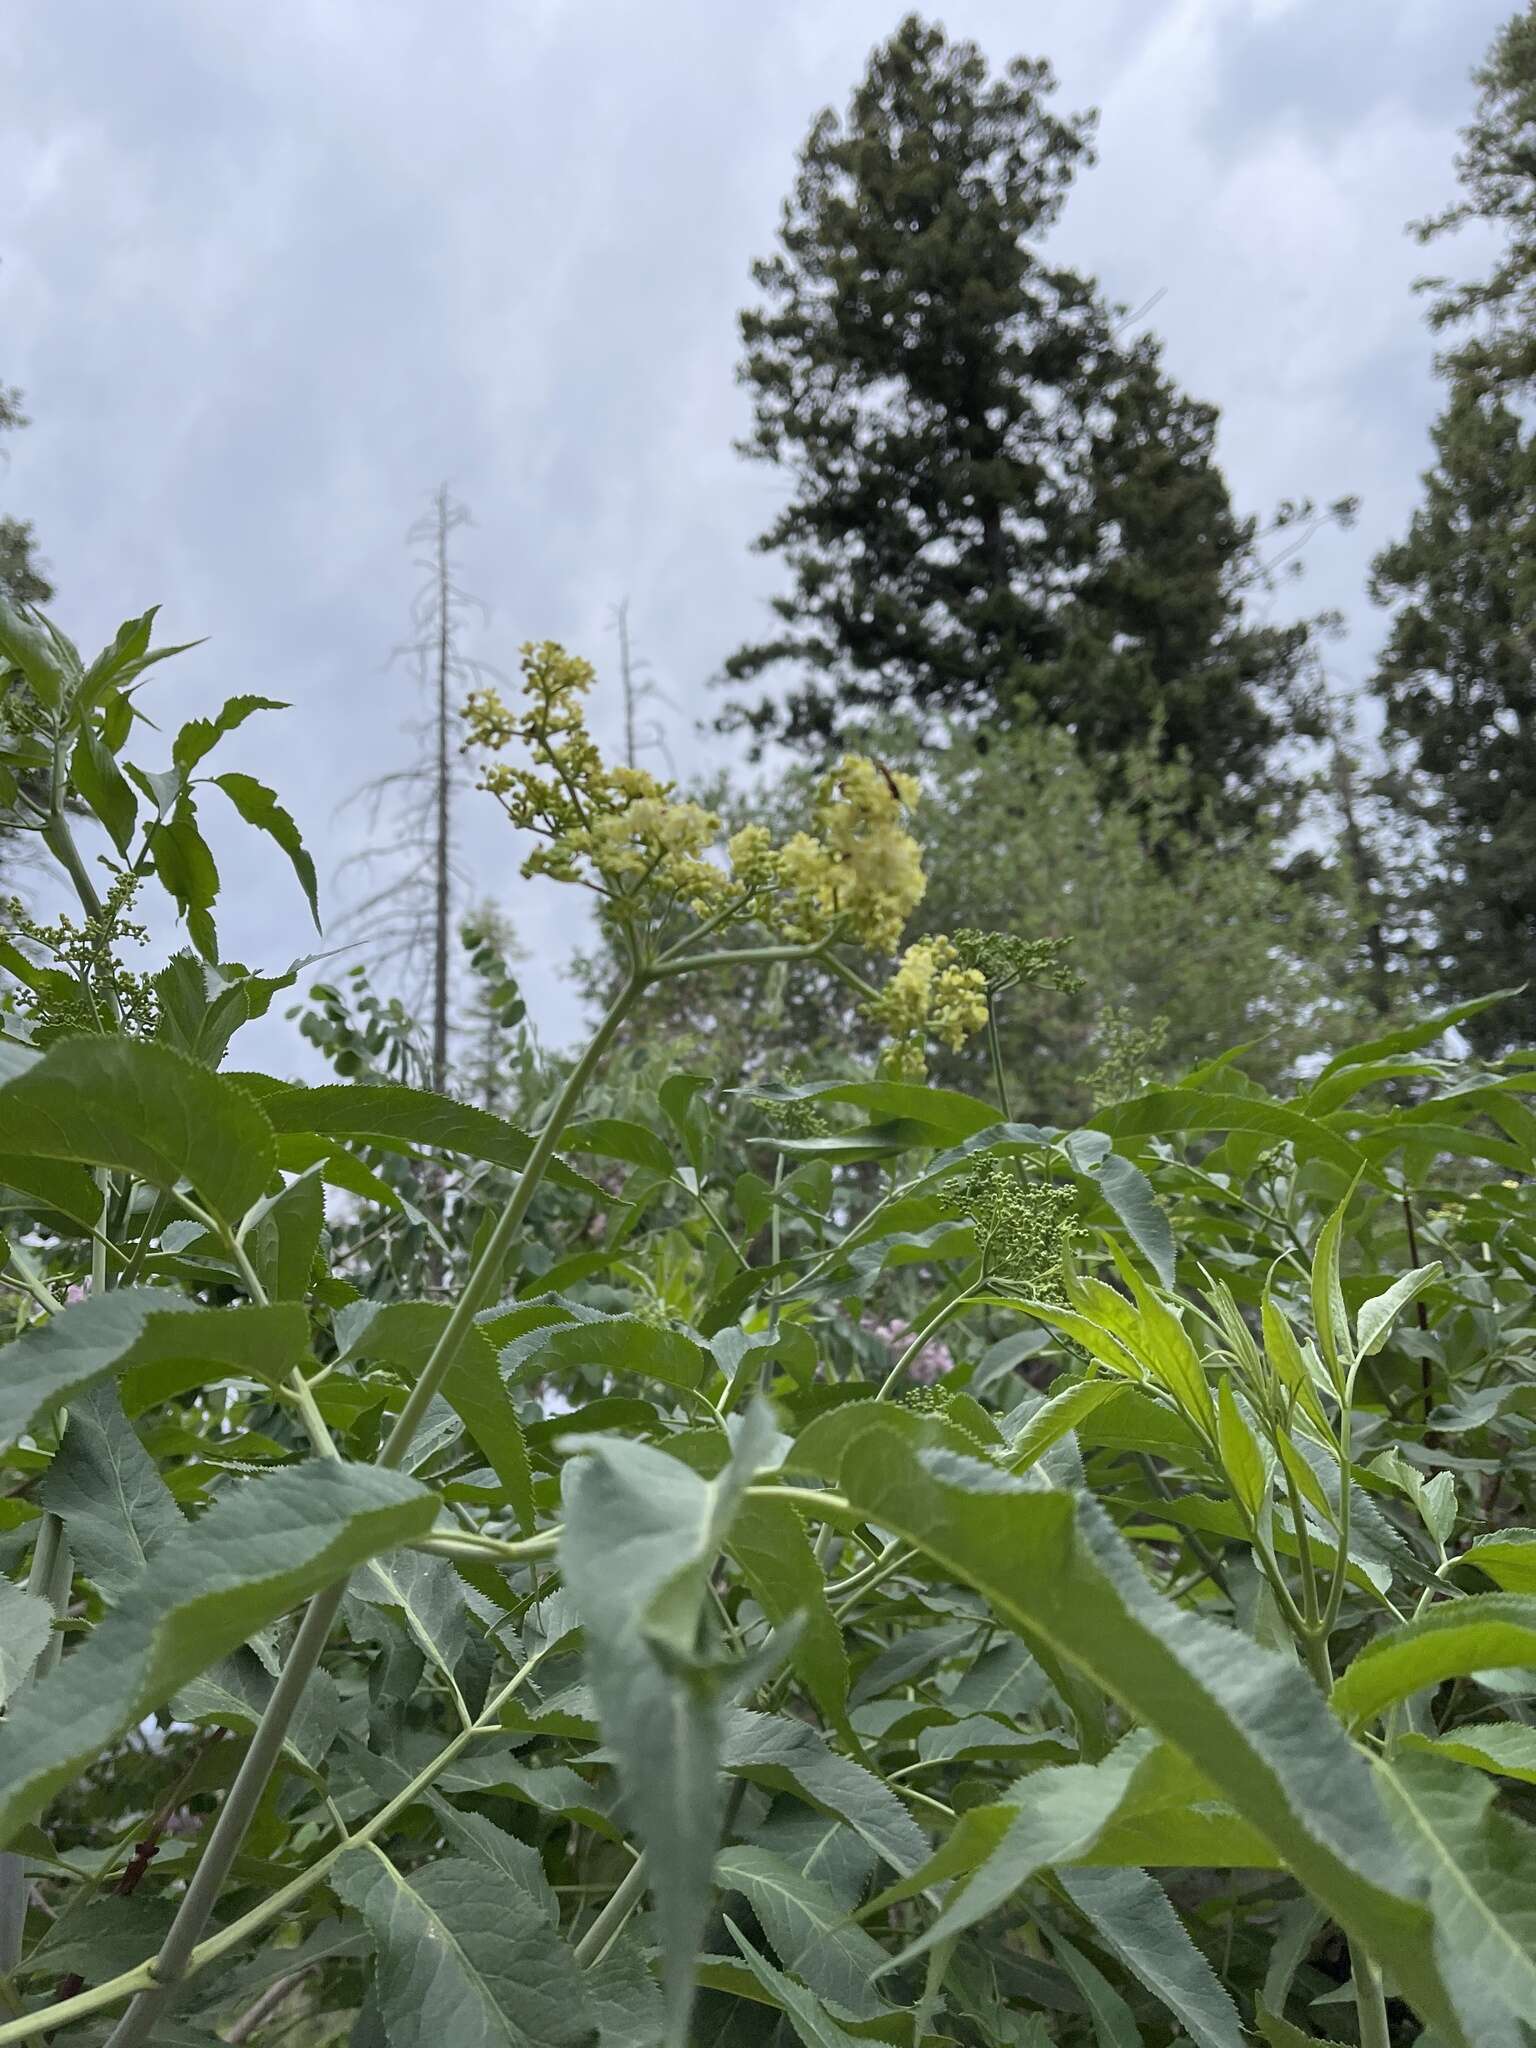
277, 1903
1370, 2001
936, 1321
48, 1579
266, 1744
600, 1936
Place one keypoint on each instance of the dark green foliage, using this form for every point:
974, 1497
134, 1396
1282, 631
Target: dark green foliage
1001, 504
1456, 676
22, 578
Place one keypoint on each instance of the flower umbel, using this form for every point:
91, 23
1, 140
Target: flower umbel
1023, 1228
931, 992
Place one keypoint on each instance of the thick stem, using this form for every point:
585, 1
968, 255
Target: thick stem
235, 1817
940, 1316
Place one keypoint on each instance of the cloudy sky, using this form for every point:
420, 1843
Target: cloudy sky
267, 274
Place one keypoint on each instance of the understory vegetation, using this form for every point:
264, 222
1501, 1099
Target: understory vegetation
827, 1558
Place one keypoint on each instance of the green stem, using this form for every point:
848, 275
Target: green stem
995, 1049
599, 1937
1370, 2001
480, 1282
730, 956
277, 1903
308, 1645
940, 1316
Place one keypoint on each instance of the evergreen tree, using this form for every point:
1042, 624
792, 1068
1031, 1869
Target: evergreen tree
1000, 507
1457, 676
21, 574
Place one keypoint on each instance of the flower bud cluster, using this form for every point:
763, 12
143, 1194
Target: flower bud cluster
1023, 1228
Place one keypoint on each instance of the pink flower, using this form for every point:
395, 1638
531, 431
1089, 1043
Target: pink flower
931, 1363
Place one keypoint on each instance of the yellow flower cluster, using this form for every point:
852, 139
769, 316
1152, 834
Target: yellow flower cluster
861, 869
620, 822
857, 875
930, 994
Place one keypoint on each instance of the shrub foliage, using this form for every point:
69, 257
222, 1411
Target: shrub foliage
835, 1563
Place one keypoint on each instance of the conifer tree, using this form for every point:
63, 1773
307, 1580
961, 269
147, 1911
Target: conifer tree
1457, 676
1000, 505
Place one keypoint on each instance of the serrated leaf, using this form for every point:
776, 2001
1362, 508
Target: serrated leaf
116, 1509
199, 736
140, 1108
483, 1842
102, 784
158, 1342
26, 1623
812, 2023
1509, 1559
1328, 1311
1482, 1866
403, 1334
1130, 1915
641, 1534
187, 868
1250, 1720
810, 1932
258, 1552
1374, 1323
1507, 1748
464, 1961
789, 1756
259, 806
1241, 1458
769, 1542
1054, 1418
1481, 1633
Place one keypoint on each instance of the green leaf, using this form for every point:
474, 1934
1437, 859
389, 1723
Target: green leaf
1507, 1748
483, 1842
186, 867
282, 1236
810, 1931
42, 661
994, 1851
1114, 2024
768, 1541
1412, 1036
98, 779
1250, 1720
235, 1693
1054, 1418
1241, 1458
611, 1137
1131, 1916
1509, 1559
141, 1109
116, 1509
26, 1623
462, 1960
642, 1533
403, 1334
403, 1119
1374, 1323
199, 736
617, 1344
1481, 1633
159, 1342
788, 1756
428, 1596
259, 1551
812, 2023
259, 806
1482, 1868
1328, 1311
1162, 1112
1129, 1193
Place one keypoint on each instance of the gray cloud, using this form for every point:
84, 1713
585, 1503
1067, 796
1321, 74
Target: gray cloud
268, 274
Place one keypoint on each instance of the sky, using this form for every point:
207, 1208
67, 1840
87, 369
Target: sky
269, 275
